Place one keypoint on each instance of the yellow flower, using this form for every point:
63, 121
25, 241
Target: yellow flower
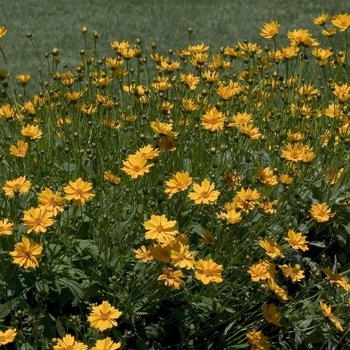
190, 80
327, 311
320, 212
232, 216
302, 37
293, 153
114, 180
336, 279
297, 240
286, 179
69, 343
293, 272
182, 257
20, 150
208, 271
32, 131
266, 176
248, 130
213, 120
258, 340
204, 193
106, 344
207, 238
171, 278
9, 335
26, 253
178, 183
17, 186
103, 316
341, 21
163, 129
161, 252
143, 254
135, 165
271, 314
272, 248
79, 191
241, 118
52, 202
342, 92
148, 152
189, 105
37, 219
321, 20
280, 293
23, 78
5, 227
74, 96
262, 271
159, 228
3, 31
329, 32
270, 30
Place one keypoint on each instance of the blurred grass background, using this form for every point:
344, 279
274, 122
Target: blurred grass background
57, 23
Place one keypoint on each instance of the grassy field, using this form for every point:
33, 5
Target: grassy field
217, 23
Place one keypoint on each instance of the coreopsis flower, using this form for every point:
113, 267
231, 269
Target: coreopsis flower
208, 271
241, 118
271, 314
229, 90
301, 37
336, 278
148, 152
161, 252
168, 65
271, 247
269, 207
266, 176
3, 31
190, 80
32, 131
69, 343
79, 191
289, 52
270, 30
89, 109
327, 311
20, 150
320, 212
104, 316
199, 59
23, 78
321, 20
37, 219
52, 202
262, 271
207, 238
106, 344
232, 216
172, 278
143, 253
293, 152
279, 292
248, 130
159, 228
210, 76
9, 335
8, 111
27, 253
111, 178
285, 179
334, 111
167, 143
213, 120
296, 136
248, 47
329, 32
162, 84
204, 193
341, 21
17, 186
189, 105
342, 92
163, 129
258, 340
182, 257
321, 55
246, 199
5, 227
297, 241
74, 96
292, 272
232, 179
194, 49
178, 183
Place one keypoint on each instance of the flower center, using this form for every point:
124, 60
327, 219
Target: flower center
137, 168
160, 228
105, 315
205, 194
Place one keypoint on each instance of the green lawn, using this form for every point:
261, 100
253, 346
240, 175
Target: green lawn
217, 23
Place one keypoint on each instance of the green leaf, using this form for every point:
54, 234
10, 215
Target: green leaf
318, 244
6, 308
73, 286
155, 331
